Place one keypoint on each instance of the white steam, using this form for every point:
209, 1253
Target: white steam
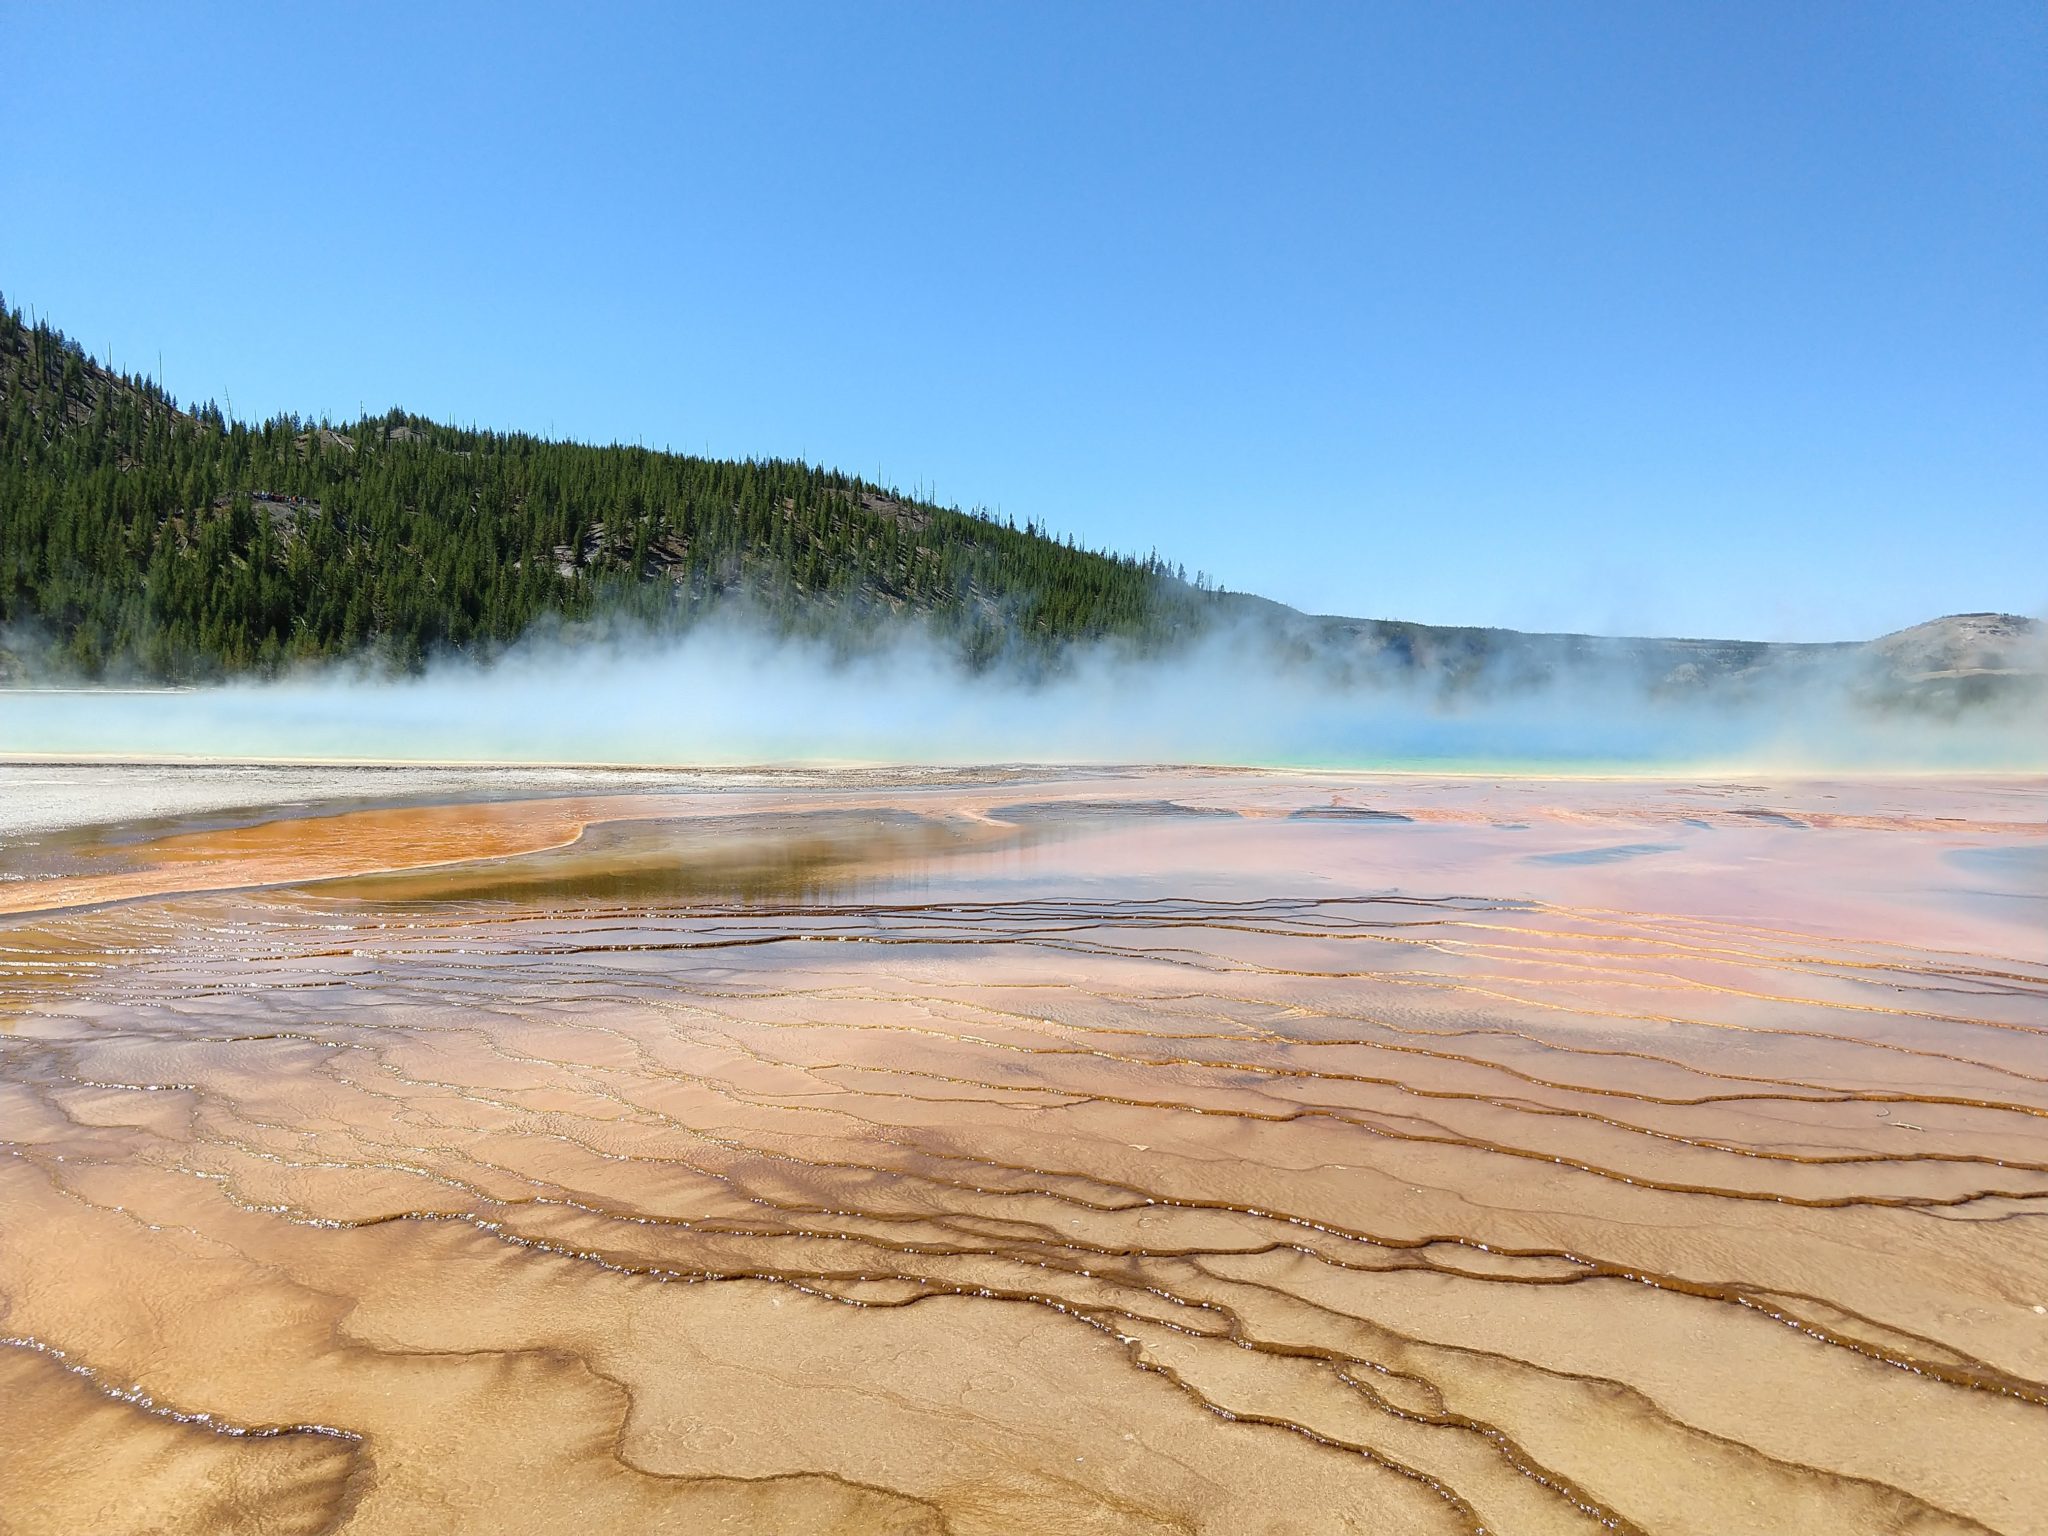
723, 695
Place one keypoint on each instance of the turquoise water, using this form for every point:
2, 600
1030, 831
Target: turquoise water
641, 714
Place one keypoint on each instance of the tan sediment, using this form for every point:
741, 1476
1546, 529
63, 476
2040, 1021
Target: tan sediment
999, 1160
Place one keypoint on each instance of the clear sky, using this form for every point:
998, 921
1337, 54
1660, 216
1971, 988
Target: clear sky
1701, 319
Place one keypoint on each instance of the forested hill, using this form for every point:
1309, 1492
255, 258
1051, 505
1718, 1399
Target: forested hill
142, 539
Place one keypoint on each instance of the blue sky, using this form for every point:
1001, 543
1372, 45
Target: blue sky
1703, 319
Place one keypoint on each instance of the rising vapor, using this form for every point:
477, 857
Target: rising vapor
727, 694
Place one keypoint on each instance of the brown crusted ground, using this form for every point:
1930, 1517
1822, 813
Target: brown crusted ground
1569, 1157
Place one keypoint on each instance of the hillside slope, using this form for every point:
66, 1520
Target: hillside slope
140, 540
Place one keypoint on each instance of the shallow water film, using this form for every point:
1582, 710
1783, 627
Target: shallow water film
1139, 1152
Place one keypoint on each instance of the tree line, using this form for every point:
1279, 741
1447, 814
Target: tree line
139, 538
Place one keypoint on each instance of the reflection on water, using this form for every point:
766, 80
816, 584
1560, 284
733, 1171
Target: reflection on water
1608, 855
1076, 812
2023, 862
948, 1163
1345, 813
821, 856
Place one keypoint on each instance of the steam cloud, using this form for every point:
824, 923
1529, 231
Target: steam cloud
724, 695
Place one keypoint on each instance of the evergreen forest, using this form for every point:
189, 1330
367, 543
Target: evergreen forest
143, 540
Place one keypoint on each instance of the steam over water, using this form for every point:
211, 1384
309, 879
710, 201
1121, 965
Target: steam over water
727, 696
1025, 1152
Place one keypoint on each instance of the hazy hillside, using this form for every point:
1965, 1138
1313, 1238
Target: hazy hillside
144, 541
1944, 664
